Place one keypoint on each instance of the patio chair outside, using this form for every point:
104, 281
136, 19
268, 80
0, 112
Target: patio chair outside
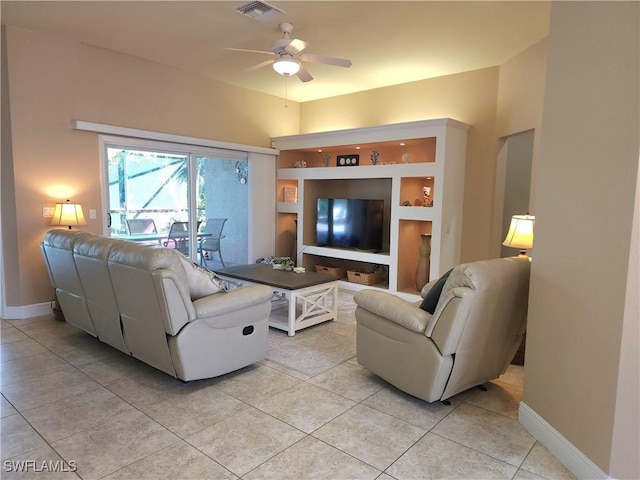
211, 243
141, 225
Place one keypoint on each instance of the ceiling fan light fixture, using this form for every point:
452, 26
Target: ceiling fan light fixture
286, 66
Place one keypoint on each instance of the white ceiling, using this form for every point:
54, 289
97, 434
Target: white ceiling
388, 42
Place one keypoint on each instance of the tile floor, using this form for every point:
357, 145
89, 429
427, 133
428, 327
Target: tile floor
308, 411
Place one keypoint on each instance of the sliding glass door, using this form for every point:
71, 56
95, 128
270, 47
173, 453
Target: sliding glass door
193, 200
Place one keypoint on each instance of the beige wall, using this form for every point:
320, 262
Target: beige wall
520, 102
586, 182
469, 97
51, 83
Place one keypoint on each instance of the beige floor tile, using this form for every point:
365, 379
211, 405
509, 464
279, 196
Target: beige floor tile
348, 380
79, 348
384, 476
541, 462
143, 391
524, 475
187, 414
177, 461
283, 369
256, 383
500, 398
5, 324
76, 413
103, 449
410, 409
18, 437
6, 408
369, 435
434, 457
32, 367
12, 334
20, 349
40, 464
312, 351
46, 327
513, 376
306, 406
493, 434
48, 389
114, 369
21, 322
246, 440
312, 459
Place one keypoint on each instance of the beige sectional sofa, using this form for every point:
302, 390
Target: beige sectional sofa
154, 304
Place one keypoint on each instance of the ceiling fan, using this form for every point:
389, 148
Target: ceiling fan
288, 54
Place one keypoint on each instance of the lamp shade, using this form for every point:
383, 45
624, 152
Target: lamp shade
286, 65
520, 234
68, 214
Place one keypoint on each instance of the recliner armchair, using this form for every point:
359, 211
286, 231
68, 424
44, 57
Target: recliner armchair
470, 338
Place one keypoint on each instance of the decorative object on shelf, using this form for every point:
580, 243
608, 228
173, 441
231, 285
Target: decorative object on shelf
326, 159
520, 234
242, 171
374, 157
290, 194
424, 262
427, 201
68, 215
300, 164
348, 160
406, 158
406, 203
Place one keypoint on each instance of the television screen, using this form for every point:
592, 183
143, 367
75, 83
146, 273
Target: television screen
350, 223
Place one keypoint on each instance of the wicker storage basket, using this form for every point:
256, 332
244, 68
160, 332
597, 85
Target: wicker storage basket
335, 271
363, 278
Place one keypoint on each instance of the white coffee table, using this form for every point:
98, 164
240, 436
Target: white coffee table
300, 299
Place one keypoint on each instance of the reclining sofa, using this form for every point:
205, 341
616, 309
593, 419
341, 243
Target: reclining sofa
152, 303
477, 322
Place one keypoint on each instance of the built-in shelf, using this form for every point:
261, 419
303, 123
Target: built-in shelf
436, 152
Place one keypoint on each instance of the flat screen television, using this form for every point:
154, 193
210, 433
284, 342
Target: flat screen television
350, 223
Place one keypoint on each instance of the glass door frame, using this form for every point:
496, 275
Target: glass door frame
192, 152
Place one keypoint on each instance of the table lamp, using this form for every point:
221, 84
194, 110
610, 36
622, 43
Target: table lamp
520, 234
68, 214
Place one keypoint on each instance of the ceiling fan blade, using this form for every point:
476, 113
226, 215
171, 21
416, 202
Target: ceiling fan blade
303, 75
260, 65
338, 62
250, 51
296, 46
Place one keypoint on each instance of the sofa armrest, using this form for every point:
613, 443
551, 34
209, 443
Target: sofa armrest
393, 309
224, 302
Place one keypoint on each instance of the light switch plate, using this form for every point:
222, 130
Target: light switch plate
47, 212
92, 214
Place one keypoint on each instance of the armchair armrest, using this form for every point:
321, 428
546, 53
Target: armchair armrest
225, 302
393, 309
427, 287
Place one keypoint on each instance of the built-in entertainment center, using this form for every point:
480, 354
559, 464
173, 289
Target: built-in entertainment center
367, 214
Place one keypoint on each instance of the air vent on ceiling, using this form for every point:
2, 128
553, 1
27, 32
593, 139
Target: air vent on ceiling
255, 10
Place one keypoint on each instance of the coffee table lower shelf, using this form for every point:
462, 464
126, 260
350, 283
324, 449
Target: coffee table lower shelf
299, 300
293, 310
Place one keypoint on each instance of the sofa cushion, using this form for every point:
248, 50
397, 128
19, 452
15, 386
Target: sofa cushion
202, 282
430, 301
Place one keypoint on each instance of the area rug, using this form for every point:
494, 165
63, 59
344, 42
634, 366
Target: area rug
316, 349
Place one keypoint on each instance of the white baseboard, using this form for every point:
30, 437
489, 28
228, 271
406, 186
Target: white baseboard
27, 311
572, 458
